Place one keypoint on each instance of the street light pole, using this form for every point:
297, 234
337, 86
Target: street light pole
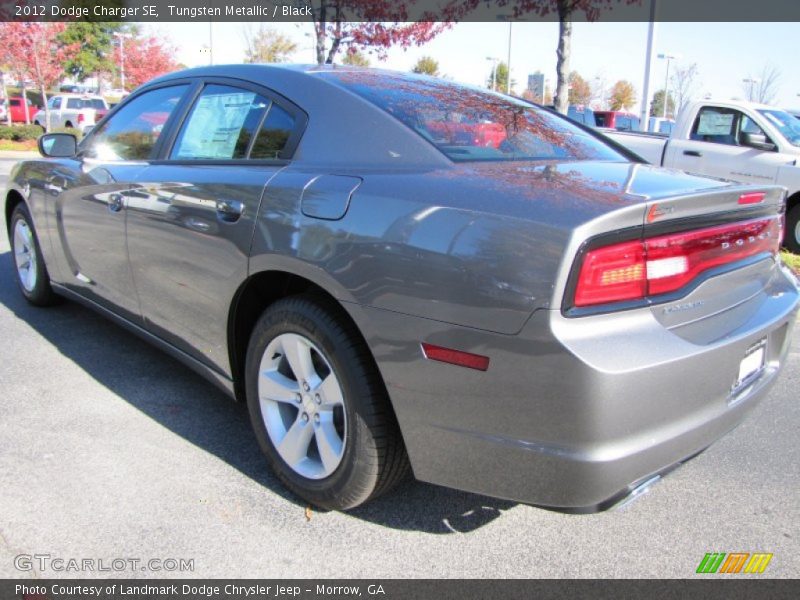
121, 37
494, 71
668, 58
508, 79
753, 82
648, 66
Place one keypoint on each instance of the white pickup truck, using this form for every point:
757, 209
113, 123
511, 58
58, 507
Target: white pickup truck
741, 141
72, 110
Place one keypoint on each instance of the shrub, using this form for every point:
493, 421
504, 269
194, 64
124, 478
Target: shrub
20, 133
76, 132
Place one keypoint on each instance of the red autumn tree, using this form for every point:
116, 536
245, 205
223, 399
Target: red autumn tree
33, 51
375, 25
147, 57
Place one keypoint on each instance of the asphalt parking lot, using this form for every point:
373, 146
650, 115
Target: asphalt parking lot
111, 449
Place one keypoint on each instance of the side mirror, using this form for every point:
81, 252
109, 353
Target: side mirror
756, 140
57, 145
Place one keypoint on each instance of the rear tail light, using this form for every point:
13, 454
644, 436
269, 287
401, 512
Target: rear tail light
638, 269
80, 118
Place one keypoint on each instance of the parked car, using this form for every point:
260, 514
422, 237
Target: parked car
617, 119
18, 107
507, 319
660, 125
579, 113
72, 110
740, 141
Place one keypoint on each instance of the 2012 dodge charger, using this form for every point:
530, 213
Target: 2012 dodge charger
401, 272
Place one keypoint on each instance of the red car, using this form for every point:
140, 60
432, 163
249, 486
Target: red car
17, 107
617, 119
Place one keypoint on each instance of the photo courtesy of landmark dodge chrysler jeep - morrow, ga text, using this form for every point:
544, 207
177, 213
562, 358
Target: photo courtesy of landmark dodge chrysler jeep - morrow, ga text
397, 271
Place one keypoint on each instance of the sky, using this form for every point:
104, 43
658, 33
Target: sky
725, 53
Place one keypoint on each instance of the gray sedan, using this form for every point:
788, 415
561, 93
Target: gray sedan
402, 273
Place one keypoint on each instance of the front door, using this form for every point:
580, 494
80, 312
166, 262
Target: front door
94, 190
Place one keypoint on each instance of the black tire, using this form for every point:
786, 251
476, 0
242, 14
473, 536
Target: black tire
374, 458
68, 124
791, 241
40, 293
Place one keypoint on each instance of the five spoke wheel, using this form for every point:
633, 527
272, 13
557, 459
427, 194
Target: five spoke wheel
302, 406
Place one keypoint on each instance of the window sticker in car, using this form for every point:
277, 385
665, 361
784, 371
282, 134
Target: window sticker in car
215, 125
714, 123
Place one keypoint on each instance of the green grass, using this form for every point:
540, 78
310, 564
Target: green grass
12, 145
793, 260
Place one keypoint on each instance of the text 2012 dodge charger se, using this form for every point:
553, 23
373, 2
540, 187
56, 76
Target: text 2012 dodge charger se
397, 271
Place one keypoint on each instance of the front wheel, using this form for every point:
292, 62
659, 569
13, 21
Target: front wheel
792, 241
319, 408
32, 277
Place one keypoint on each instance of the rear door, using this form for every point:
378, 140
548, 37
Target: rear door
191, 223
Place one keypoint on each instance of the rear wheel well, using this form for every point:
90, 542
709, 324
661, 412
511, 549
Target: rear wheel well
12, 200
253, 298
792, 201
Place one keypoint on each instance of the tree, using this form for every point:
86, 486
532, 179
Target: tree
623, 95
683, 82
657, 106
266, 45
36, 52
95, 48
566, 11
355, 58
378, 25
764, 86
580, 92
427, 65
147, 57
500, 77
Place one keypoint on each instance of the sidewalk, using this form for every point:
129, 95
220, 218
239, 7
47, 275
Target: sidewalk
18, 154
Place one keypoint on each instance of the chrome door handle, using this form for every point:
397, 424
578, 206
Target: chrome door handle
115, 202
229, 210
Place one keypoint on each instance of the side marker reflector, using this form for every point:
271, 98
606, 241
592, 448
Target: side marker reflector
752, 198
455, 357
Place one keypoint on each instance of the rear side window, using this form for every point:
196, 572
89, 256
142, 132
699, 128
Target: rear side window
274, 134
132, 133
471, 124
229, 123
74, 103
221, 124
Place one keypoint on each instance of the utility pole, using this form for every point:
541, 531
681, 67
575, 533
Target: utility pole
121, 37
648, 65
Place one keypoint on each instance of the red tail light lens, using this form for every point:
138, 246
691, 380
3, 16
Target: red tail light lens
80, 118
659, 265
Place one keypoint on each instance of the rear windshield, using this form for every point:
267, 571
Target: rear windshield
97, 103
470, 124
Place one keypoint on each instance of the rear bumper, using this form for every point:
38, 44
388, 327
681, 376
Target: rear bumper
569, 415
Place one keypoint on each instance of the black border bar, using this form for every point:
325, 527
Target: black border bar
296, 11
714, 587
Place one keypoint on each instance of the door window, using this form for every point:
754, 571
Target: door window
55, 103
274, 134
716, 124
221, 124
132, 133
